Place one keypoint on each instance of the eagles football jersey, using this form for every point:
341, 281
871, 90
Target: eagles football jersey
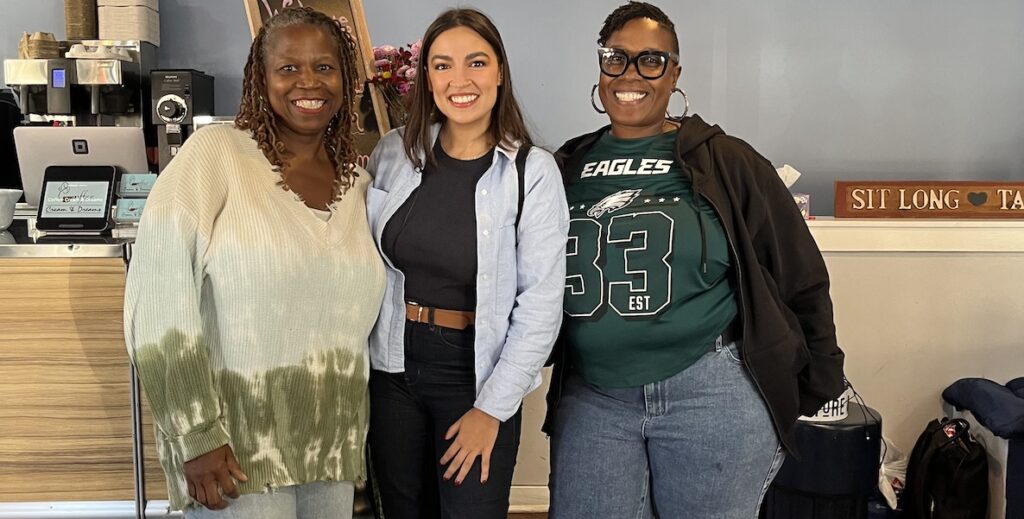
640, 305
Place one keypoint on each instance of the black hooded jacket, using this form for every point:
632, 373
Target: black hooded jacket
782, 286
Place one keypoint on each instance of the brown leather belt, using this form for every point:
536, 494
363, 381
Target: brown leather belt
454, 319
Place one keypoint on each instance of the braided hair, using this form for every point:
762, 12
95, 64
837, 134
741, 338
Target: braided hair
628, 12
256, 115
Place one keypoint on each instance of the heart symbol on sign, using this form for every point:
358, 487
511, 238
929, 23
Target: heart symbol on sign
977, 199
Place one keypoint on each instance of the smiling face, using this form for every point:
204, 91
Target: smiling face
636, 106
304, 80
464, 73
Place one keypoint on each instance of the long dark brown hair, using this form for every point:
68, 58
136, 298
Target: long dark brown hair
256, 115
507, 125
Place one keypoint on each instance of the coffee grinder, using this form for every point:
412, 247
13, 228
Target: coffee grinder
178, 96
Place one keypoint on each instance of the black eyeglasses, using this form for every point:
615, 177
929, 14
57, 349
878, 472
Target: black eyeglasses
650, 64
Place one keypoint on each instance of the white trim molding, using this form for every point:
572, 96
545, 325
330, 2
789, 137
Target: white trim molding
69, 510
528, 500
917, 235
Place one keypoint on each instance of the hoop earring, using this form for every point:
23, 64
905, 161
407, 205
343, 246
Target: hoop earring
593, 102
686, 109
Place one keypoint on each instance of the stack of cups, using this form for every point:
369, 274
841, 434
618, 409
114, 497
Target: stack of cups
80, 19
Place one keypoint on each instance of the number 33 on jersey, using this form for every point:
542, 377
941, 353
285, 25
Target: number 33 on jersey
639, 302
634, 249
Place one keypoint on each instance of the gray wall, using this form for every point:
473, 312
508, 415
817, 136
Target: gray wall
856, 90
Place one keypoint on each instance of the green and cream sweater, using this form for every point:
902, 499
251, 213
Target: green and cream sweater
247, 317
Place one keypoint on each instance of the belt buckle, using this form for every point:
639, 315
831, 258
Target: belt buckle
419, 311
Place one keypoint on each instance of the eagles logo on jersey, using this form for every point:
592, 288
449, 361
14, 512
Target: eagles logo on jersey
636, 255
613, 202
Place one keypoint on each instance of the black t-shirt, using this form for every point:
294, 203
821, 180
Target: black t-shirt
432, 237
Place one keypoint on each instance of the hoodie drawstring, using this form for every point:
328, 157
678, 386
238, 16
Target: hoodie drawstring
703, 239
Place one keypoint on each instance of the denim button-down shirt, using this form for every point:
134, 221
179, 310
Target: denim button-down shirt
518, 288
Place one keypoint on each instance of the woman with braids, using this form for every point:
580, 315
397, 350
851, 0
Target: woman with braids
472, 223
253, 288
698, 319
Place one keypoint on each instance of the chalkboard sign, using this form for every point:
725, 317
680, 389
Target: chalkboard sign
371, 113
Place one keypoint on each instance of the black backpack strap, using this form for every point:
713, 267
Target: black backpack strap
521, 156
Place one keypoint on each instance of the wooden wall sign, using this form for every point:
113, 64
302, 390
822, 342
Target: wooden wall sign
929, 199
371, 120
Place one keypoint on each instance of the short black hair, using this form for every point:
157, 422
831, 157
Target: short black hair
626, 13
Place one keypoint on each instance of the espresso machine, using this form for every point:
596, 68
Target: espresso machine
97, 83
44, 90
179, 97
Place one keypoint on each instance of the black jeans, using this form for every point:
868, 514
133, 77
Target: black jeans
410, 413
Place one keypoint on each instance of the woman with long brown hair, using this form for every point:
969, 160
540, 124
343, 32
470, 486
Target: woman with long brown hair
253, 287
472, 224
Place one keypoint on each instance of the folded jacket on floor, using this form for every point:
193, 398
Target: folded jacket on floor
999, 408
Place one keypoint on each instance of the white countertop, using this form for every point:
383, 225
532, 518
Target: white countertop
19, 241
917, 235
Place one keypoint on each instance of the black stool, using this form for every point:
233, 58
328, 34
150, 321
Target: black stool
836, 472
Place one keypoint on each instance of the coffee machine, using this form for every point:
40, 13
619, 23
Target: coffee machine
97, 83
178, 97
43, 85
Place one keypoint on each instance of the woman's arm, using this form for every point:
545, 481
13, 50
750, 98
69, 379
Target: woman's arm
537, 312
535, 320
164, 333
789, 254
163, 325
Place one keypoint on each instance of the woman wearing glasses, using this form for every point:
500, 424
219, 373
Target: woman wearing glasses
698, 321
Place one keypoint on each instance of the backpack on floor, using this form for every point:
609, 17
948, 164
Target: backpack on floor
947, 476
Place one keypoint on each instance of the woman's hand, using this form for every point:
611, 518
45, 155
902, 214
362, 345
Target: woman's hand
475, 434
211, 474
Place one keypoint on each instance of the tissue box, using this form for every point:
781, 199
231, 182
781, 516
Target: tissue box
803, 201
129, 20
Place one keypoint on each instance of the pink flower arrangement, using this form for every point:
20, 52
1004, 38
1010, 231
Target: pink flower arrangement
396, 74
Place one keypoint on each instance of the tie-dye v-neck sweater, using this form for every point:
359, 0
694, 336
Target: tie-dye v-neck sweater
247, 317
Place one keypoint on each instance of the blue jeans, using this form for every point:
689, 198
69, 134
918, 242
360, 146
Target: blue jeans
697, 445
316, 500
